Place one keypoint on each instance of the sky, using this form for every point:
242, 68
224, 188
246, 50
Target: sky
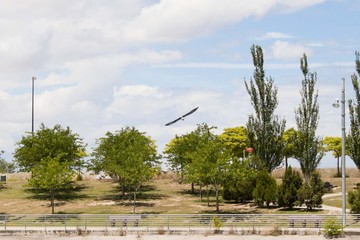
103, 65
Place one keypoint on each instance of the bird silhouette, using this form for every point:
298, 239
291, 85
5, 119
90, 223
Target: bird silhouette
182, 117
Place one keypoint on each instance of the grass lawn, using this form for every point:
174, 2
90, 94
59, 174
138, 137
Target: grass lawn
162, 195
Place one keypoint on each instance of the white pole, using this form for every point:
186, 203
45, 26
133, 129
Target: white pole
343, 170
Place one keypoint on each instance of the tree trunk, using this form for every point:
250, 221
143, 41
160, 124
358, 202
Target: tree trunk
201, 196
307, 178
207, 195
52, 201
286, 163
192, 188
217, 200
134, 202
338, 167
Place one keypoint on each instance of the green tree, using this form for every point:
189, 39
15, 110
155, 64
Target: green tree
210, 161
129, 156
241, 181
288, 190
264, 128
311, 193
52, 175
353, 139
51, 155
177, 152
235, 140
309, 150
289, 138
6, 167
265, 190
333, 144
48, 142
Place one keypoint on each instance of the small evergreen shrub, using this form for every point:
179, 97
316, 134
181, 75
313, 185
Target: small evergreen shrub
354, 201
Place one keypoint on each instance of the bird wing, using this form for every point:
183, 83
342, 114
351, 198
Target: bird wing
187, 114
172, 122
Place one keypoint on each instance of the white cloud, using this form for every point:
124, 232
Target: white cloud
285, 50
274, 35
178, 20
85, 55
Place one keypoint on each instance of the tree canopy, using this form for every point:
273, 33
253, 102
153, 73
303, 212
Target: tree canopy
51, 155
308, 147
6, 167
235, 140
333, 144
129, 156
210, 160
289, 138
353, 140
56, 142
265, 129
178, 152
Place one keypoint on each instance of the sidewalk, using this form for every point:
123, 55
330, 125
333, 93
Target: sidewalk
176, 237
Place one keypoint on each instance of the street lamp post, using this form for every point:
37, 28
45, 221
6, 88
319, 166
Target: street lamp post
343, 172
32, 105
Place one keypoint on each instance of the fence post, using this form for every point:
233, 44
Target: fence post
189, 222
253, 224
85, 222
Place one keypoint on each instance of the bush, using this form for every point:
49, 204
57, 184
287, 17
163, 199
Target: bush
217, 224
354, 201
332, 229
265, 190
311, 193
288, 190
241, 182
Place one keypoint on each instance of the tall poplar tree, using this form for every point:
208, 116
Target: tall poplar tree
353, 139
308, 146
265, 129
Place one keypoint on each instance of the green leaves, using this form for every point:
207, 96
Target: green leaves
5, 166
56, 142
127, 155
265, 190
353, 138
264, 128
51, 174
308, 147
51, 155
235, 140
288, 190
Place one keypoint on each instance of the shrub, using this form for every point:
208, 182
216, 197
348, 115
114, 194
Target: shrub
217, 224
332, 229
311, 193
288, 190
354, 201
265, 190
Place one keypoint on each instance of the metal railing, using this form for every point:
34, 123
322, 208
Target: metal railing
169, 222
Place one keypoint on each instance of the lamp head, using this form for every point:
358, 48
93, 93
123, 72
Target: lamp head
336, 104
